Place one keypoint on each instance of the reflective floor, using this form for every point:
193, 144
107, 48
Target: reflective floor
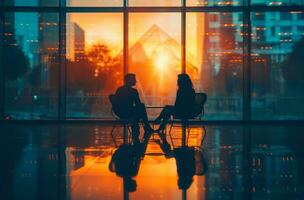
87, 162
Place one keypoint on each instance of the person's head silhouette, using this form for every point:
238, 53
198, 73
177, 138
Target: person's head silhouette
184, 182
130, 80
184, 81
129, 184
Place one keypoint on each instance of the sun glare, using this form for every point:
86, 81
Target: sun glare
161, 62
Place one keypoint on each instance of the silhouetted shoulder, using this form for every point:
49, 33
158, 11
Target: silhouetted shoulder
119, 89
134, 91
124, 89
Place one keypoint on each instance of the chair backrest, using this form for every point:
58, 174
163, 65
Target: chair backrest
200, 100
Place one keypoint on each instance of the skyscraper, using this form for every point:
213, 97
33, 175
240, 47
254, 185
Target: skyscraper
75, 42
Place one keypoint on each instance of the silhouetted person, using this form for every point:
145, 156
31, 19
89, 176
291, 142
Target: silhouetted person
129, 106
185, 164
189, 162
125, 162
184, 106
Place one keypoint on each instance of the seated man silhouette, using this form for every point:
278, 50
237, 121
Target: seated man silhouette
125, 162
129, 106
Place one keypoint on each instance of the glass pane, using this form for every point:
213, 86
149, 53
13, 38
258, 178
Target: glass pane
276, 150
144, 3
214, 50
94, 69
32, 2
277, 2
155, 55
277, 65
31, 65
214, 2
101, 3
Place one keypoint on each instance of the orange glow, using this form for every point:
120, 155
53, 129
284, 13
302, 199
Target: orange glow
107, 28
104, 28
154, 48
89, 175
161, 62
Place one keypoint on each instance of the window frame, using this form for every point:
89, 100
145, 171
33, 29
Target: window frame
247, 8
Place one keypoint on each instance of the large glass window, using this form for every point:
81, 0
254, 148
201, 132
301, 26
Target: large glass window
31, 65
277, 69
94, 62
214, 60
216, 50
155, 55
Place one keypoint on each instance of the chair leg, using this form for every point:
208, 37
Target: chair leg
170, 135
129, 134
205, 133
112, 131
184, 132
188, 130
125, 133
129, 130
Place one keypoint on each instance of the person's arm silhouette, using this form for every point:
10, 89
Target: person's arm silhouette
136, 98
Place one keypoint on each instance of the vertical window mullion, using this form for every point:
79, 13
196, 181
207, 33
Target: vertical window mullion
125, 37
183, 37
2, 76
62, 62
247, 62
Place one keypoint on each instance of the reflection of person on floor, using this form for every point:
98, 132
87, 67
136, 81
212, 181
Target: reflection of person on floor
125, 162
189, 162
184, 105
185, 163
129, 106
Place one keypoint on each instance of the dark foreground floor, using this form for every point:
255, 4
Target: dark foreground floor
72, 162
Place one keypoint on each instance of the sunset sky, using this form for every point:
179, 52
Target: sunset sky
107, 28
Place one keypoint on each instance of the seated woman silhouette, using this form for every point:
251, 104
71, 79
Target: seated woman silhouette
190, 161
184, 106
128, 106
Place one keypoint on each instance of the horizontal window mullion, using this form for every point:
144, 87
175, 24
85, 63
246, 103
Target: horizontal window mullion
62, 9
257, 8
154, 9
215, 9
93, 9
253, 8
30, 9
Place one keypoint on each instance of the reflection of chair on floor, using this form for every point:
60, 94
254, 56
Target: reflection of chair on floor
127, 123
200, 100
